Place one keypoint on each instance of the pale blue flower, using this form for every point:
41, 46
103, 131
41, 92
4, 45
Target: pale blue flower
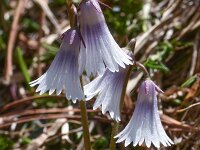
63, 74
100, 49
145, 125
109, 88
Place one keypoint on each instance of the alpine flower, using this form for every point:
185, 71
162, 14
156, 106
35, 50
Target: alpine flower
63, 74
100, 50
145, 125
109, 88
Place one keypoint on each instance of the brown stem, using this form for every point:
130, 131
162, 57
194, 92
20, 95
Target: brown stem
44, 111
50, 116
84, 120
25, 100
12, 39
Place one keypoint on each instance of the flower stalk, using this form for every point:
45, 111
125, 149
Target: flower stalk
130, 46
72, 11
84, 120
116, 124
114, 132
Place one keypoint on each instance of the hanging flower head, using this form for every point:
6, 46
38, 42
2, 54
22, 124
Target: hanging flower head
109, 88
63, 72
145, 125
100, 48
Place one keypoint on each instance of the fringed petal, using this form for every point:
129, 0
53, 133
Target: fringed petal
63, 73
101, 50
109, 88
145, 125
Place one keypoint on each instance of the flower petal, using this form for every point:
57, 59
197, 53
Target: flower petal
63, 74
101, 50
145, 125
109, 88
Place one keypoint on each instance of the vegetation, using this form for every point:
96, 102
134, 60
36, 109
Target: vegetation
167, 37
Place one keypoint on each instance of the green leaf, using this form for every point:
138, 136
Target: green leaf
2, 43
156, 65
166, 46
176, 102
100, 143
189, 82
22, 65
5, 143
29, 25
25, 140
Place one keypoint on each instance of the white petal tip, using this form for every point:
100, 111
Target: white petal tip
115, 137
74, 101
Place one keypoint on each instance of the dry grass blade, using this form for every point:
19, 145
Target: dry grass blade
50, 15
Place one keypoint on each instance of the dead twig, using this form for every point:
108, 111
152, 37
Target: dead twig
25, 100
187, 108
50, 15
11, 42
51, 116
36, 143
44, 111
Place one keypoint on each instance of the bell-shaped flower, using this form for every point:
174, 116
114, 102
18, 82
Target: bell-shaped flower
63, 74
109, 88
100, 50
145, 125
